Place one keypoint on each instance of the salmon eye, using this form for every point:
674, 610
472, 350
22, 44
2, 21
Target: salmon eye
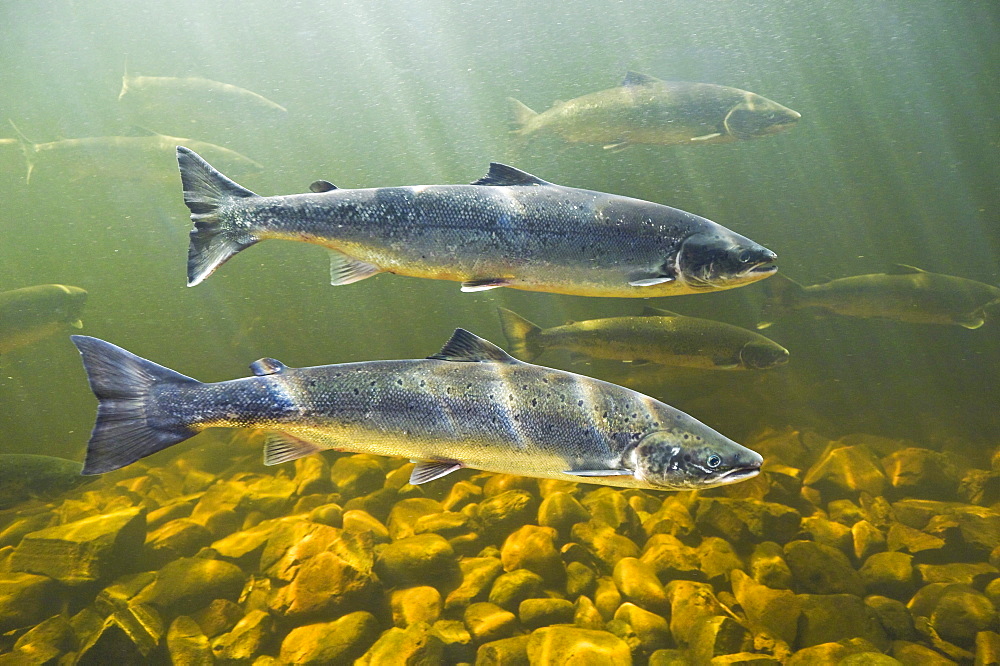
745, 256
713, 461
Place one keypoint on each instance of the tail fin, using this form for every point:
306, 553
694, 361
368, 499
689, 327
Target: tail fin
782, 294
130, 423
27, 149
521, 115
214, 239
521, 333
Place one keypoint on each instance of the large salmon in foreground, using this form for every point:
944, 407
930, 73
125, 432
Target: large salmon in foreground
469, 405
508, 229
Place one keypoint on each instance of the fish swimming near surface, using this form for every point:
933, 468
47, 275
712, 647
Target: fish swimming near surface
470, 405
25, 476
125, 157
30, 314
646, 110
657, 336
192, 105
910, 295
508, 229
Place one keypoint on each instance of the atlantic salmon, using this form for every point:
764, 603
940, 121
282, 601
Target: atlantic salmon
507, 229
655, 336
910, 295
30, 314
646, 110
469, 405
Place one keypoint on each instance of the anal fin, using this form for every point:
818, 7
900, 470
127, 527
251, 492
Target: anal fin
429, 470
280, 447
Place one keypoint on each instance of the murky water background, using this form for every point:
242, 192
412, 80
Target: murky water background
894, 161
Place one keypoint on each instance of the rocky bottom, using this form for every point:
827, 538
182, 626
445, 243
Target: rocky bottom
862, 550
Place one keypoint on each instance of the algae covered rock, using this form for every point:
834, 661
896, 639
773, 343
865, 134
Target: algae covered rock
187, 644
827, 618
651, 629
188, 584
415, 604
715, 636
488, 622
820, 569
83, 551
604, 543
510, 589
561, 511
638, 583
776, 611
534, 613
550, 646
416, 560
505, 652
889, 574
845, 471
534, 548
478, 575
337, 642
26, 599
415, 645
248, 638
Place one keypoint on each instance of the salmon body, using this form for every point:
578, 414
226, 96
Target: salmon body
656, 336
508, 229
30, 314
910, 295
646, 110
470, 405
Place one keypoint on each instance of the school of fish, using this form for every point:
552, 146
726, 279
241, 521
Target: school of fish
471, 405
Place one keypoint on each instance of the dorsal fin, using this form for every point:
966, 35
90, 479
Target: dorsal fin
470, 348
501, 174
650, 311
637, 79
267, 366
322, 186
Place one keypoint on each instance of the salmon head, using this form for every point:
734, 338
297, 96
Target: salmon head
722, 259
758, 116
692, 456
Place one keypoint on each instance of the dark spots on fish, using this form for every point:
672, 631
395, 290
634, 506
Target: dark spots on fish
357, 392
686, 436
423, 383
534, 402
579, 403
399, 382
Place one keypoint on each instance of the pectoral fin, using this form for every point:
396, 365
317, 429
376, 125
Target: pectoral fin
429, 470
484, 284
617, 146
599, 472
345, 270
650, 281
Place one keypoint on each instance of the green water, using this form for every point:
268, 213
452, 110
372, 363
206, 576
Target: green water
894, 161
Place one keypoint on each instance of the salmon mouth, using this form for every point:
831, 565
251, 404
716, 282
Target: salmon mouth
763, 269
739, 474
